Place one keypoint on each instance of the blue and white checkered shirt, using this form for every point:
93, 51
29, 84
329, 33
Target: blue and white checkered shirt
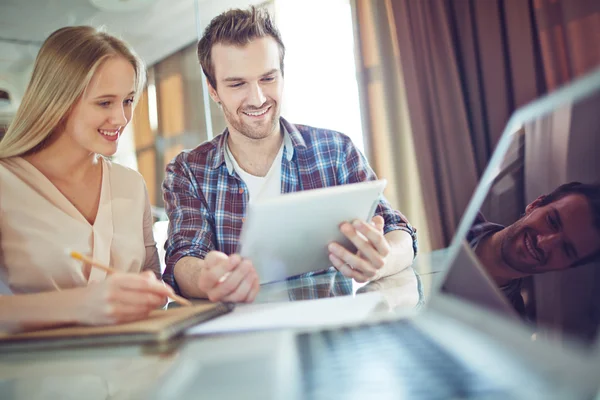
206, 200
481, 229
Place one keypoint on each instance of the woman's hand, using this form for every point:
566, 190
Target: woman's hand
122, 297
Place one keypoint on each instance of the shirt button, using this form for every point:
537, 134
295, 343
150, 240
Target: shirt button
241, 190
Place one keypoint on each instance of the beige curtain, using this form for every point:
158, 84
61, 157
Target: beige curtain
466, 66
569, 37
386, 123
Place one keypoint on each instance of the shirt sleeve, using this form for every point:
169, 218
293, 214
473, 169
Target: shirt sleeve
355, 168
512, 291
190, 231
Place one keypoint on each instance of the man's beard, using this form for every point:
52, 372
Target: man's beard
254, 131
508, 248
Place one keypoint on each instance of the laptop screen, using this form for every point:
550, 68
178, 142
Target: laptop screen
534, 223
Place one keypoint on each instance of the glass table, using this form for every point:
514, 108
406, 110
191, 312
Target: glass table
127, 372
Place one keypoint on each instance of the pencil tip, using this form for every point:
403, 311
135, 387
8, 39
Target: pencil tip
72, 254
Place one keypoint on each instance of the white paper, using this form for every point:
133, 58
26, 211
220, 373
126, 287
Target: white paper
296, 314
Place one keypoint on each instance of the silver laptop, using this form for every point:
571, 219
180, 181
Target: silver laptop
469, 341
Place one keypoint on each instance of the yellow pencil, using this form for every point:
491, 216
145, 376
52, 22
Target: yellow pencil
110, 270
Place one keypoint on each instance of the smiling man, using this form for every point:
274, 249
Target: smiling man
261, 155
560, 230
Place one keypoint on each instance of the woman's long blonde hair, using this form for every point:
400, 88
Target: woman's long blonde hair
62, 71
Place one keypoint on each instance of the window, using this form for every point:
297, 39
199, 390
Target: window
321, 87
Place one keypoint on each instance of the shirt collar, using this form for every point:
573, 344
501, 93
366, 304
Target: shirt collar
219, 149
291, 139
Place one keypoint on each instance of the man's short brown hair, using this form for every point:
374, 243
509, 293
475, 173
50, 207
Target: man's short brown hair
236, 27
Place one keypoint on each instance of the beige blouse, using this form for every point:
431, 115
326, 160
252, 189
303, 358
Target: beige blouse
38, 224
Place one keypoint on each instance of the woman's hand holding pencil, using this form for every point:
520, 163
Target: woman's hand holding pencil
122, 297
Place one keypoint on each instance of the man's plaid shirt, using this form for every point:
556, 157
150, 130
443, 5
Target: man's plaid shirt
481, 229
206, 200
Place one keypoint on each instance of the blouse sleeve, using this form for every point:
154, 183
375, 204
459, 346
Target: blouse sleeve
151, 262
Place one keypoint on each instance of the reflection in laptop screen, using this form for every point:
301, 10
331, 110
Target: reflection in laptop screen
537, 233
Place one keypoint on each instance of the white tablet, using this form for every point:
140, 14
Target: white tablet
288, 235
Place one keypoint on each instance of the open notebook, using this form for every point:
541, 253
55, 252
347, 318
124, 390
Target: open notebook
159, 327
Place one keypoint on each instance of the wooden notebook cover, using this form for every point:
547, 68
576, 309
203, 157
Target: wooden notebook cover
160, 326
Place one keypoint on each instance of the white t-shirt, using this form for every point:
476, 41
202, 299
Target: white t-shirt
261, 187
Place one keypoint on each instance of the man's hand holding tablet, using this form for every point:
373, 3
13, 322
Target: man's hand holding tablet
373, 250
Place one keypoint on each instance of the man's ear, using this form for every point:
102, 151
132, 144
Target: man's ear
213, 93
534, 204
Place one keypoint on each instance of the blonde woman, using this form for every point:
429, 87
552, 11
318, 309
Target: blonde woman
58, 192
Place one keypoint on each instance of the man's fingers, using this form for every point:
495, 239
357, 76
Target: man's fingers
220, 263
340, 265
234, 260
364, 246
378, 222
358, 240
229, 285
373, 234
242, 291
349, 270
361, 278
369, 259
254, 291
218, 267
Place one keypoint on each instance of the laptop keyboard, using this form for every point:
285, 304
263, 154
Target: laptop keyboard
391, 360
